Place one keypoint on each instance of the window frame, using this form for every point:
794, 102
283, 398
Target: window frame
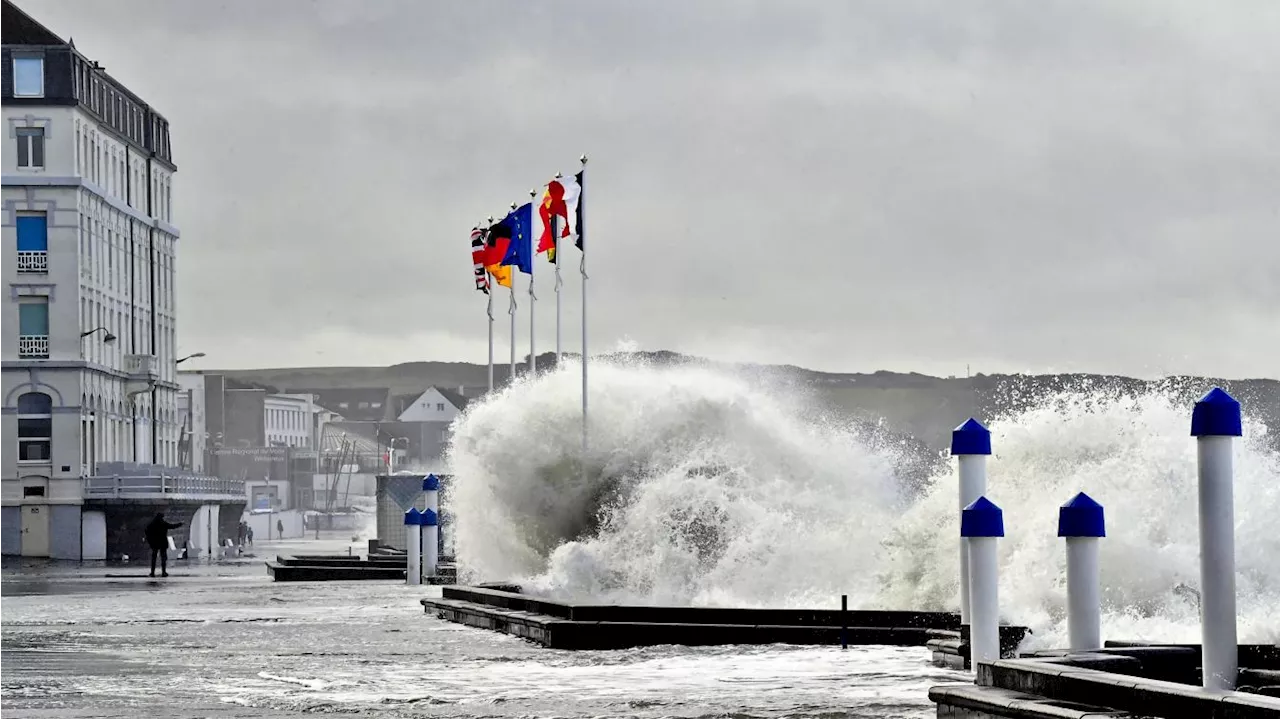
37, 439
25, 57
25, 147
43, 217
34, 302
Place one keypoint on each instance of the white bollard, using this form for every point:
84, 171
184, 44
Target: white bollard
981, 523
971, 445
1082, 523
431, 497
430, 543
1215, 421
413, 546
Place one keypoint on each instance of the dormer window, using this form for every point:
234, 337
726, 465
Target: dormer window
28, 76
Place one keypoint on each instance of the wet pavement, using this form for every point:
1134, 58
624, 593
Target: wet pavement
223, 640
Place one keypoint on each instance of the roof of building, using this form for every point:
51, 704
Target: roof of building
19, 28
457, 400
363, 404
362, 437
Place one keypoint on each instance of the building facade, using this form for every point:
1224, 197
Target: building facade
89, 320
290, 420
194, 435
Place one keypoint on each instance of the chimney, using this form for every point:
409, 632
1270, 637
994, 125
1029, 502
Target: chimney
462, 391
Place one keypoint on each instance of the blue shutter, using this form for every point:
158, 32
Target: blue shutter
33, 319
33, 233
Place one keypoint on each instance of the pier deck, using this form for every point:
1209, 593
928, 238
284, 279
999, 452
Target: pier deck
561, 625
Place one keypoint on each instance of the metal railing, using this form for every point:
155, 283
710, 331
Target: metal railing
33, 346
33, 261
124, 487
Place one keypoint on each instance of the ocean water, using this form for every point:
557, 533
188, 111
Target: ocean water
223, 641
705, 488
713, 488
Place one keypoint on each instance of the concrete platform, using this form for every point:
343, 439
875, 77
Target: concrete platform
1122, 681
335, 568
561, 625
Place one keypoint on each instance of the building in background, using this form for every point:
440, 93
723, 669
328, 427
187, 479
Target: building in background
194, 435
89, 356
290, 420
254, 434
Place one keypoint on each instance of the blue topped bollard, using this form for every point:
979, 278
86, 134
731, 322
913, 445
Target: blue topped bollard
1082, 523
970, 445
981, 523
430, 542
431, 501
413, 546
1215, 422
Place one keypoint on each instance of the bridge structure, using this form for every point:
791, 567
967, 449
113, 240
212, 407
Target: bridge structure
121, 498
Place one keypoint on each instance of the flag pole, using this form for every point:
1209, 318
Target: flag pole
533, 299
488, 279
512, 311
555, 238
582, 268
489, 312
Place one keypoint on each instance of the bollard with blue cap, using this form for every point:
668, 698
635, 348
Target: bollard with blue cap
1081, 523
970, 445
431, 500
430, 542
413, 546
981, 523
1215, 423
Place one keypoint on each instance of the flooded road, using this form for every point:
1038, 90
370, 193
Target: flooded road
222, 640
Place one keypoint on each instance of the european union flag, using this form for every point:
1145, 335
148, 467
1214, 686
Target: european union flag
520, 251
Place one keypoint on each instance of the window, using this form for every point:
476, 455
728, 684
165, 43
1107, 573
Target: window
439, 406
33, 243
28, 77
30, 147
35, 427
33, 328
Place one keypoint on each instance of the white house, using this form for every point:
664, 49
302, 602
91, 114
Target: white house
434, 405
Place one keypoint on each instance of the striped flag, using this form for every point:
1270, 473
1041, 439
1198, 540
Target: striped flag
477, 259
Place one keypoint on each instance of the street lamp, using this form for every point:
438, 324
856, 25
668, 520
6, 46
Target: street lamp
106, 337
190, 356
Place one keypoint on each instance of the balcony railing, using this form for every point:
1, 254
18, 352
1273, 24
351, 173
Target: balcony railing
33, 346
33, 261
162, 487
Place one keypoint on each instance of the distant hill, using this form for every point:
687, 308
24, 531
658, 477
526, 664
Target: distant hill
921, 406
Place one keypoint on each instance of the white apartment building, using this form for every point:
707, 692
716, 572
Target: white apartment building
290, 420
89, 373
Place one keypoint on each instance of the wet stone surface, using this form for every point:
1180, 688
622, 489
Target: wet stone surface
222, 640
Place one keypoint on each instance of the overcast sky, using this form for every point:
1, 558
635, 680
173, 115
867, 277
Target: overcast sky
1015, 186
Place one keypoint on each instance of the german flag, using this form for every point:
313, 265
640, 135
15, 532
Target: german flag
497, 240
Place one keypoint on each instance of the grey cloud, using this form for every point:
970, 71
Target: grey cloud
1067, 185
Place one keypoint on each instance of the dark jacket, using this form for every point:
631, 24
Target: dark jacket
157, 532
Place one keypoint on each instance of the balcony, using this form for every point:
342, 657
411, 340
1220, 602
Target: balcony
163, 486
33, 346
33, 261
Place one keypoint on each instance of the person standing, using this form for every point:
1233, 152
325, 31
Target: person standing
157, 535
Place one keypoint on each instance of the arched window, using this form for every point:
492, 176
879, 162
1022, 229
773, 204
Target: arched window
35, 426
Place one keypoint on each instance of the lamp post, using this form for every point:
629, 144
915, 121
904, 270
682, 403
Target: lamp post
107, 336
190, 356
